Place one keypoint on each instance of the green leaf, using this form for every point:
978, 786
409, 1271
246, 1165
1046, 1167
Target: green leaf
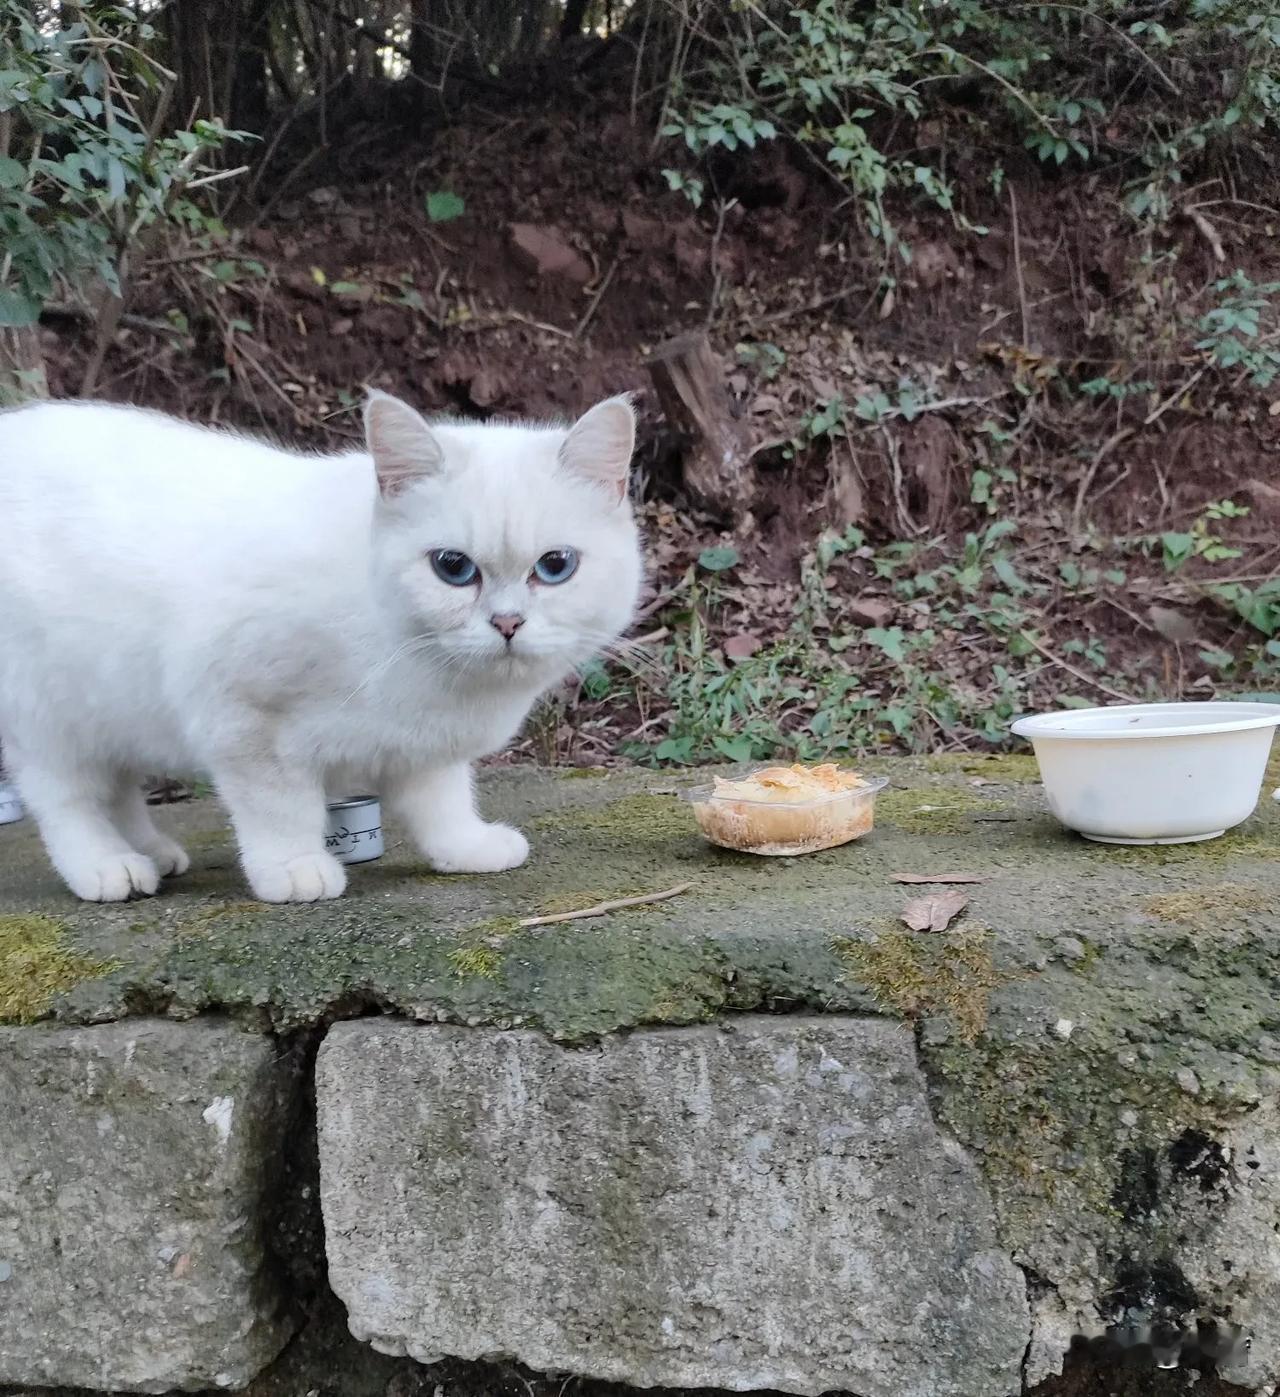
345, 288
736, 749
17, 308
718, 559
892, 641
443, 206
674, 749
116, 179
596, 683
13, 173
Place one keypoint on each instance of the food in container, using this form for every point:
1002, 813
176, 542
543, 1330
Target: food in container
786, 810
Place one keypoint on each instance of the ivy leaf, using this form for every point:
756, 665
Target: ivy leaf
443, 206
892, 641
718, 559
17, 309
736, 749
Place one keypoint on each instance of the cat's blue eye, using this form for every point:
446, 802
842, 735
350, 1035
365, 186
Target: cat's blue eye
453, 567
557, 565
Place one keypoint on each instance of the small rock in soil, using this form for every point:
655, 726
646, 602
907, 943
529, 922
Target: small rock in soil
544, 250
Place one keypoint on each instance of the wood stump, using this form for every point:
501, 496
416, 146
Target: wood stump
689, 382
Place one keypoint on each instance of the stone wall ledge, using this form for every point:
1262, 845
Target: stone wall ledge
1087, 1065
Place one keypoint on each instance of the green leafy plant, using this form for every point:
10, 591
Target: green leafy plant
1202, 540
84, 168
443, 206
1232, 332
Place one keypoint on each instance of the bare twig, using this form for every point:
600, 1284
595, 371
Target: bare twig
1071, 669
779, 316
1017, 264
716, 279
603, 908
1086, 480
941, 405
1209, 233
939, 877
1175, 396
1117, 31
494, 322
589, 314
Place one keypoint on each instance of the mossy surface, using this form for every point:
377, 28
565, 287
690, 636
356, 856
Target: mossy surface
914, 974
1216, 906
779, 935
483, 961
999, 768
949, 810
37, 965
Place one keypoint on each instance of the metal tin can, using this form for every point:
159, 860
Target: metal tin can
353, 831
11, 806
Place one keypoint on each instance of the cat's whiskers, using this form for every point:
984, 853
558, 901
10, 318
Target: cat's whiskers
416, 644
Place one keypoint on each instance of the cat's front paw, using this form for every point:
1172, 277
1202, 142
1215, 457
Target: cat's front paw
308, 878
479, 848
114, 879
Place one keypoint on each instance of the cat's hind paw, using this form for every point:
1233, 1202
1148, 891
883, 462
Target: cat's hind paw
480, 848
170, 858
114, 879
308, 878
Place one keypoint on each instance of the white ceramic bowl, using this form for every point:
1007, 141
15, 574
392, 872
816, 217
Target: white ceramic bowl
353, 833
1153, 773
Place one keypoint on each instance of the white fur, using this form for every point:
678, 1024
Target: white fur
177, 599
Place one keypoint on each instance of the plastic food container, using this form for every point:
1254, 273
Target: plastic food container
11, 806
353, 832
783, 828
1153, 773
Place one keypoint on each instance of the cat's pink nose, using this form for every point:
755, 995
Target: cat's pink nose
506, 623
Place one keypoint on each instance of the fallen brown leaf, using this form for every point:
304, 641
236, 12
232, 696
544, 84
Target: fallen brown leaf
741, 646
869, 611
1173, 625
939, 877
934, 911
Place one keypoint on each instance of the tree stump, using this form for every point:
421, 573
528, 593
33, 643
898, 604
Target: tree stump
689, 381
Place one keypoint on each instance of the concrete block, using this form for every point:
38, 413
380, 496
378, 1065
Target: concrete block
764, 1205
137, 1162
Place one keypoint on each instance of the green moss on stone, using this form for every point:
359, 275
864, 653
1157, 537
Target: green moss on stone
490, 928
1225, 849
916, 975
1210, 906
36, 965
480, 961
208, 919
632, 819
932, 810
1002, 768
581, 773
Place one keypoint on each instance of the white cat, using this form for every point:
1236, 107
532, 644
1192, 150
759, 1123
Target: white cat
174, 598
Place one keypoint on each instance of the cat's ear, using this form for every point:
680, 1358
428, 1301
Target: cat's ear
600, 443
400, 442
